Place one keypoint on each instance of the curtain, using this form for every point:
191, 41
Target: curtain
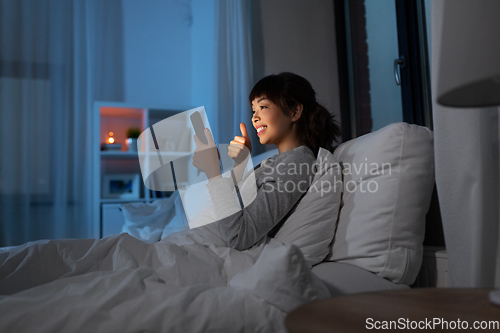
56, 58
233, 74
468, 181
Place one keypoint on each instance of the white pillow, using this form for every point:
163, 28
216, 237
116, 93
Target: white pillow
312, 225
388, 182
153, 221
146, 221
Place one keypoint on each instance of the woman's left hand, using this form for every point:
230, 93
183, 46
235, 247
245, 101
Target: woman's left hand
206, 156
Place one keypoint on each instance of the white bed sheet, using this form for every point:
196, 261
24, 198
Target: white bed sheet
188, 282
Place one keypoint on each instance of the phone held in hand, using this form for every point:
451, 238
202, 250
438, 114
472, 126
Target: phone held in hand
199, 127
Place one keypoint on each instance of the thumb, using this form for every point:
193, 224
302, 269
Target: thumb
244, 132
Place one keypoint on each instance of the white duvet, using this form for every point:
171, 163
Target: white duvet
188, 282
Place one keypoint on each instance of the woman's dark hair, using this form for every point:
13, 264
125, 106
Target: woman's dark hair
316, 126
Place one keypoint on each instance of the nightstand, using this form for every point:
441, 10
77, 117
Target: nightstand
422, 309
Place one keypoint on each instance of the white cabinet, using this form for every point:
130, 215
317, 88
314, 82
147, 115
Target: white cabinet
117, 173
112, 219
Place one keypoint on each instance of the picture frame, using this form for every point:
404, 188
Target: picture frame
120, 186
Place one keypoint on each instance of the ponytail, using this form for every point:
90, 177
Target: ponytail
320, 129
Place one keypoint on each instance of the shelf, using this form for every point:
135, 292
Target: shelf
119, 154
118, 118
176, 153
134, 155
126, 200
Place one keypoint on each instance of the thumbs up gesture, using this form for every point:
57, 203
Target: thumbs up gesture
240, 148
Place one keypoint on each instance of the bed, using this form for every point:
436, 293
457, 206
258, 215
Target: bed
341, 238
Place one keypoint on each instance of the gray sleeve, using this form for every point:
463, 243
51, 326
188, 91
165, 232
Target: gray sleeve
278, 192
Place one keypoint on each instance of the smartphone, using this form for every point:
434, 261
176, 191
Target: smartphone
199, 127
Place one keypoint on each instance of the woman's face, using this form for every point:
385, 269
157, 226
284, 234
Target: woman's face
271, 124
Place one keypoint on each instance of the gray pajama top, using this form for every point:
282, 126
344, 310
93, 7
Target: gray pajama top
281, 180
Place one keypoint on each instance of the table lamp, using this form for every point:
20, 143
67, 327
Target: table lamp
469, 73
469, 69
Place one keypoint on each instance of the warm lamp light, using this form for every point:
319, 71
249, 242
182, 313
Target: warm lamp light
111, 139
469, 73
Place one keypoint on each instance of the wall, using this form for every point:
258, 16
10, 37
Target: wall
298, 36
169, 61
168, 47
157, 52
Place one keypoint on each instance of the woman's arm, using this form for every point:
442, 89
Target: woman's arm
239, 170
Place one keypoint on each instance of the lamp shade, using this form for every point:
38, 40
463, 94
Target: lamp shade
469, 73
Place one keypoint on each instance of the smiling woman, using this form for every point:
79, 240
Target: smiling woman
285, 113
274, 126
286, 105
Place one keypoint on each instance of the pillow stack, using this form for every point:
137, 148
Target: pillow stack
388, 182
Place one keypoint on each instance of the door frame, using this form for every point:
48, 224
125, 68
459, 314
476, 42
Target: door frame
412, 41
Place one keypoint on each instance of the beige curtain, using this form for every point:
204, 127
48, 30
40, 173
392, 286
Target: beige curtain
468, 180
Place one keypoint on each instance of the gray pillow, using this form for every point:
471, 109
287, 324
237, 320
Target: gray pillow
312, 224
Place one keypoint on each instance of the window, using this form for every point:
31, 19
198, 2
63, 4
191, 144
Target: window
381, 42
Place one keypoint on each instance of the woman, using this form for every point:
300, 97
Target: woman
285, 113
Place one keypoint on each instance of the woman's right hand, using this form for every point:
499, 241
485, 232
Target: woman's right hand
240, 148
